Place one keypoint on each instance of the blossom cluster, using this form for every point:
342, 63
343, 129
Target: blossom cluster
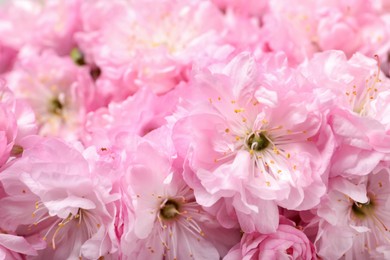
194, 129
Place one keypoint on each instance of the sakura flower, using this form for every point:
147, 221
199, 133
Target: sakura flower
312, 26
355, 218
169, 223
155, 48
59, 92
355, 94
251, 147
52, 196
288, 242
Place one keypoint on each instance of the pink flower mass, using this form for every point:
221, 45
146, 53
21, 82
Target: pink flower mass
194, 129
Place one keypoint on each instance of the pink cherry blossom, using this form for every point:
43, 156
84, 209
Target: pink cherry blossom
312, 26
194, 129
156, 47
59, 92
355, 92
354, 218
249, 150
52, 196
288, 242
169, 223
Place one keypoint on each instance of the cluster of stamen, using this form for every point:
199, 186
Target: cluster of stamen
360, 99
80, 217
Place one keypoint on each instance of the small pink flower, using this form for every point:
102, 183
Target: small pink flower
52, 199
355, 93
59, 92
168, 222
252, 147
354, 218
157, 46
307, 27
287, 242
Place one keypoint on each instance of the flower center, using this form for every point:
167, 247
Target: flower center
77, 57
16, 150
55, 106
362, 210
169, 210
257, 141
